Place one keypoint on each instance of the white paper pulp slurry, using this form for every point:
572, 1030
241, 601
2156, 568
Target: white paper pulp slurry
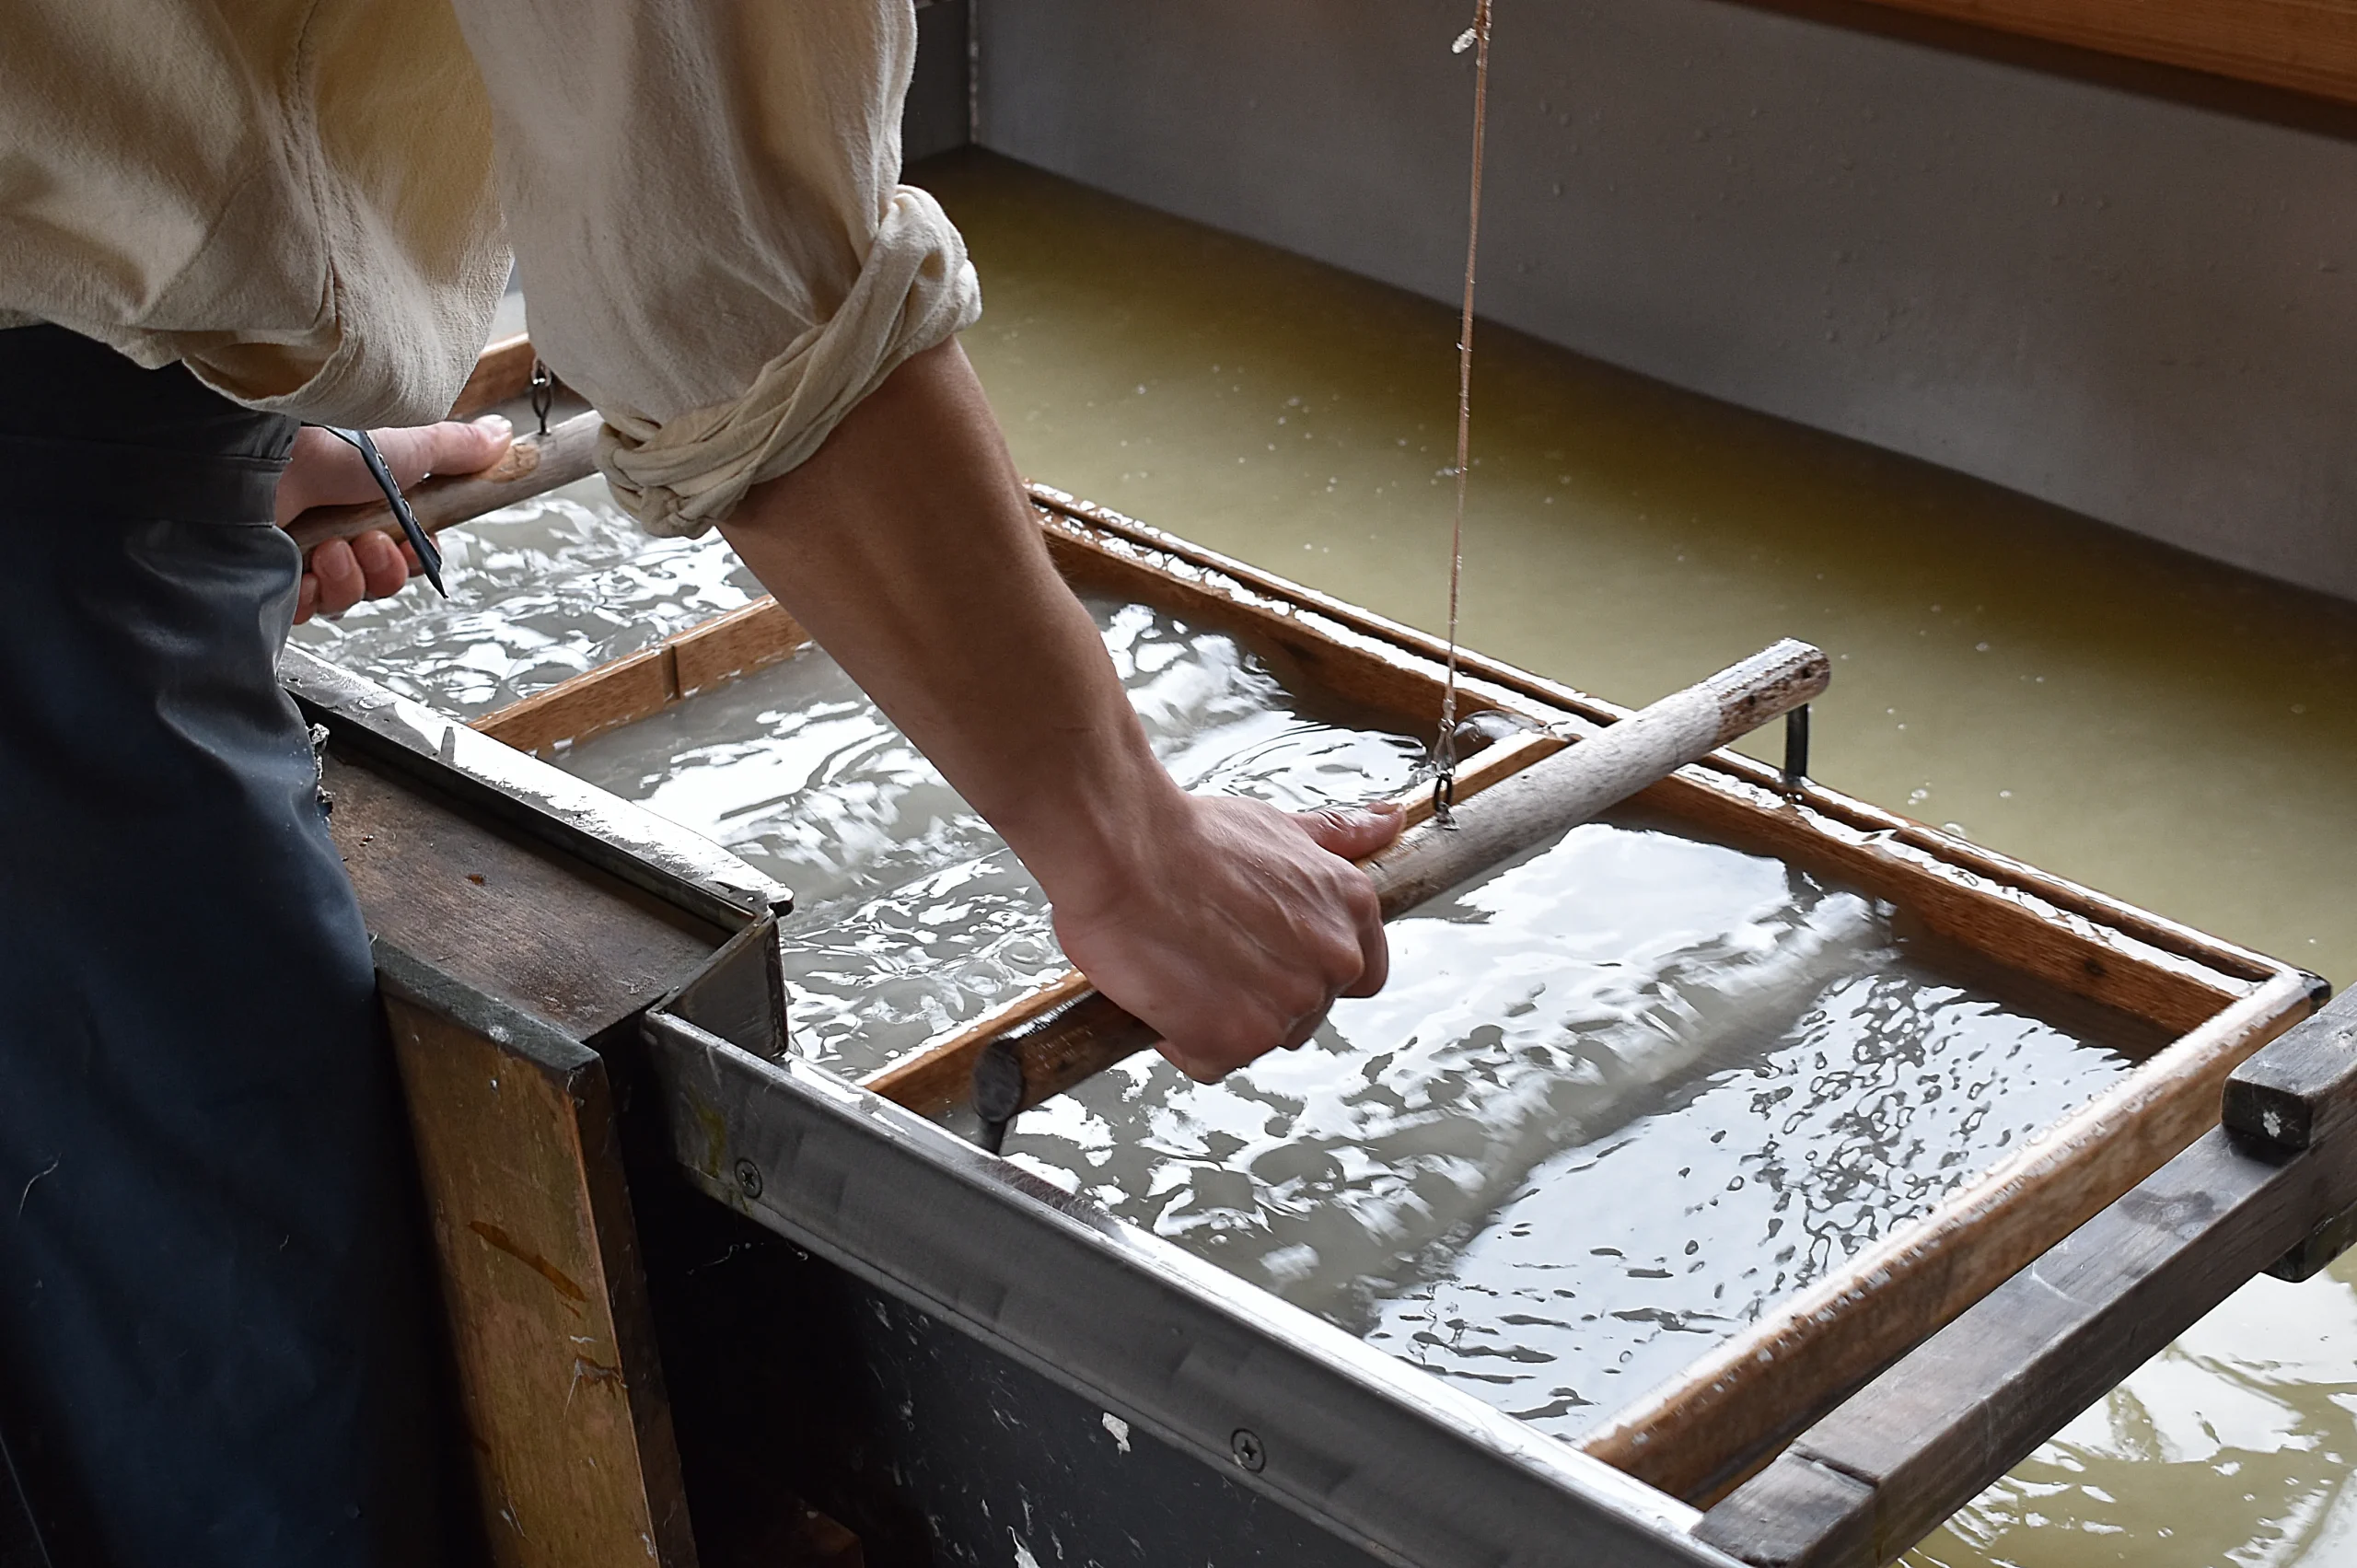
1619, 1093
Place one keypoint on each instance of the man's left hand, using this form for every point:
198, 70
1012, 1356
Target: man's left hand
324, 471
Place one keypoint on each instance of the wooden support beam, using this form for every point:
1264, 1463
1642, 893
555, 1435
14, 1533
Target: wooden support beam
2301, 1091
1949, 894
558, 1370
1879, 1474
2307, 46
2314, 1252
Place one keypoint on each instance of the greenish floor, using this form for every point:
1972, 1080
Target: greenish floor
2168, 730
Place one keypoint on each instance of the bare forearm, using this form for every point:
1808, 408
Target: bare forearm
907, 548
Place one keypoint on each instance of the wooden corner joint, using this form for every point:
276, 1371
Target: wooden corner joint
1799, 1513
2299, 1091
1867, 1480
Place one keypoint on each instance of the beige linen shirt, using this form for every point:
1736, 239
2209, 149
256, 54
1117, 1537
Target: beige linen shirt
311, 202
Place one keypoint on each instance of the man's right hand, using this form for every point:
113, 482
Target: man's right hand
1236, 927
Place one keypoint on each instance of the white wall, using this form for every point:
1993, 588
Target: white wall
2138, 310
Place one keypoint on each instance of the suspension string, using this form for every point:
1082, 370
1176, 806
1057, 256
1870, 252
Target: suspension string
1445, 746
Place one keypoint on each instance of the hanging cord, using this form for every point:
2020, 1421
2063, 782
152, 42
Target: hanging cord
1445, 746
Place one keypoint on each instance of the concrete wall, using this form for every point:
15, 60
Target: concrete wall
939, 109
2137, 308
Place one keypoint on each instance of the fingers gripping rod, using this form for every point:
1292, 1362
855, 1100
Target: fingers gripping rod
429, 559
1049, 1054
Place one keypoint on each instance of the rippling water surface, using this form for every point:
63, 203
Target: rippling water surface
910, 914
2164, 729
538, 593
1625, 536
1618, 1096
2232, 1447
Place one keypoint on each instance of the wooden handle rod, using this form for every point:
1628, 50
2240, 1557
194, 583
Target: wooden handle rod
534, 465
1059, 1048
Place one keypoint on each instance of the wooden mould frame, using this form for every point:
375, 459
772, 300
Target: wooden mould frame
1879, 1457
2202, 1005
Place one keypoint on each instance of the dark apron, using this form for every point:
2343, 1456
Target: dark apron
213, 1344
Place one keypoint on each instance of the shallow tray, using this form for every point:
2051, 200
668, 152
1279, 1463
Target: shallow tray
2190, 1006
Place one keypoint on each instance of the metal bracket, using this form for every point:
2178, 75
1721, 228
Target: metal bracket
2322, 1245
1795, 769
998, 1093
543, 386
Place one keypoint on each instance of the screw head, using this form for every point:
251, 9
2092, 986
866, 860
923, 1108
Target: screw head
1246, 1447
748, 1178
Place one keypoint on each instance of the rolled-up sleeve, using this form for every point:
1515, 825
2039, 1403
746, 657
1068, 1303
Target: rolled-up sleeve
704, 200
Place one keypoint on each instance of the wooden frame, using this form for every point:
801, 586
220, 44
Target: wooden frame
1843, 1423
2307, 46
1727, 1413
643, 684
1879, 1474
522, 925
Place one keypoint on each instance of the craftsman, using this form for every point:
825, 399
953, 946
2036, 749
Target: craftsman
214, 1347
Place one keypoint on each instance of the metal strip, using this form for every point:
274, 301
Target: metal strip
625, 840
1385, 1456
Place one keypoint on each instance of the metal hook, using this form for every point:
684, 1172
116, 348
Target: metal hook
998, 1093
1444, 757
543, 393
1444, 799
1795, 769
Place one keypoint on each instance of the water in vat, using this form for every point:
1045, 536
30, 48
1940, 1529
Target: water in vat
2168, 730
1618, 1096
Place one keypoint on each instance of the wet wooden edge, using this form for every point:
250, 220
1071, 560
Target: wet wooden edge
1879, 1474
1722, 1416
502, 372
1835, 809
640, 685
